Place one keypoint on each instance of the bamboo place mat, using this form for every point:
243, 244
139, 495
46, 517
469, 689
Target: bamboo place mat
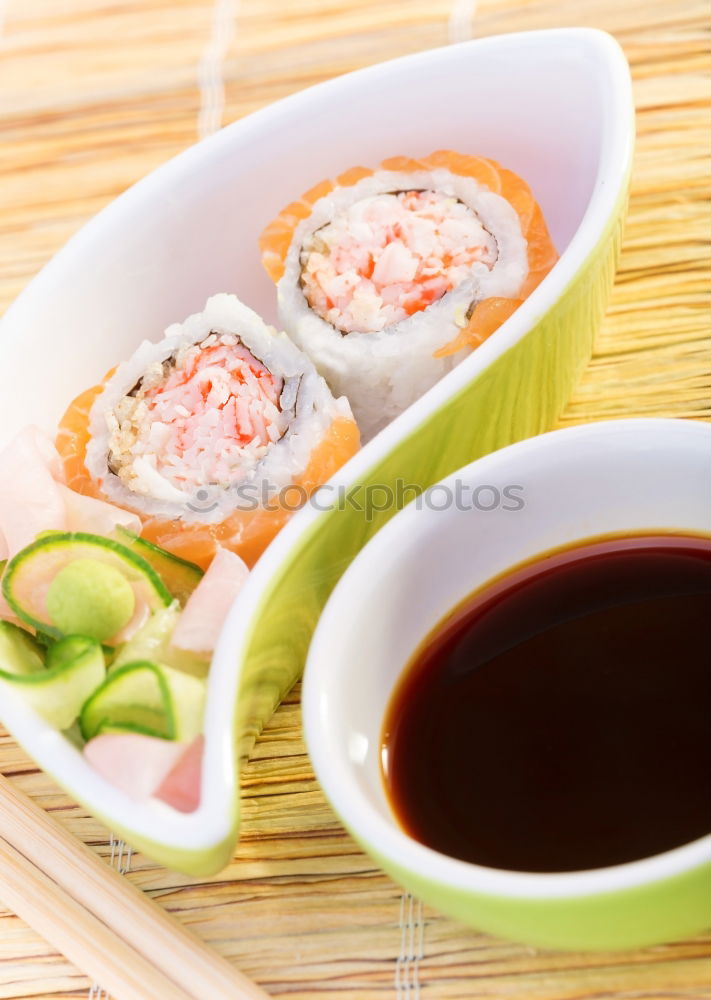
95, 93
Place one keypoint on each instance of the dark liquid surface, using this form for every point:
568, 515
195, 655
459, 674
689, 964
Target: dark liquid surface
561, 719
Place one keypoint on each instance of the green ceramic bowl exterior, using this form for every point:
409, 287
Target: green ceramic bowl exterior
526, 389
200, 862
520, 393
611, 478
163, 263
666, 910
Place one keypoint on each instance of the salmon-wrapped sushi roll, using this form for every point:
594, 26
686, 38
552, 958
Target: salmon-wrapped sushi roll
388, 278
203, 434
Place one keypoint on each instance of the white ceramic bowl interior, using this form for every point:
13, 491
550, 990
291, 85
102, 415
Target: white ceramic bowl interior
627, 476
554, 106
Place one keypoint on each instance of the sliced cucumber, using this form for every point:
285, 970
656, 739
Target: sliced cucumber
134, 695
61, 653
152, 642
146, 697
30, 573
20, 653
180, 576
56, 692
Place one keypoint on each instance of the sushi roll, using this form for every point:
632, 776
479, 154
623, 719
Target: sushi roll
206, 433
388, 278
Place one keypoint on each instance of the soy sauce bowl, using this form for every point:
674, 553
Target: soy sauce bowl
612, 478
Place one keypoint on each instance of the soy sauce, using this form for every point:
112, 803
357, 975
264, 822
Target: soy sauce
560, 719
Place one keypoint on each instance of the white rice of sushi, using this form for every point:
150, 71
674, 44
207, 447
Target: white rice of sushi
383, 372
306, 410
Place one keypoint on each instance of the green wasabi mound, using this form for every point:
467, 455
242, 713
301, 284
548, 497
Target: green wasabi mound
90, 598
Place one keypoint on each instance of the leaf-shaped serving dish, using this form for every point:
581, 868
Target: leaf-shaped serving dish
554, 106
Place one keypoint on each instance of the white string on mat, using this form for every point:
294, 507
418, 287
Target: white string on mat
461, 20
211, 69
120, 859
412, 948
121, 855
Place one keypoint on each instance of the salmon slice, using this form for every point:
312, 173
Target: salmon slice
489, 314
73, 437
